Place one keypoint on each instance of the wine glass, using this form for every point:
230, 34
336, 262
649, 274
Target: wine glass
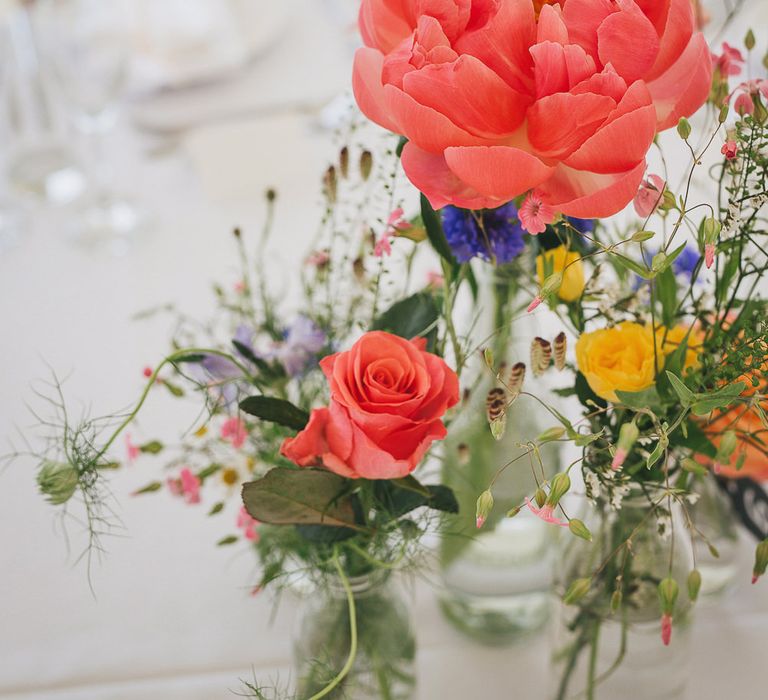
87, 43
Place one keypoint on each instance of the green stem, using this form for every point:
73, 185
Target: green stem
592, 670
170, 359
352, 629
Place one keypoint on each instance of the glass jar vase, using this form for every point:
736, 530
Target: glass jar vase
608, 643
372, 641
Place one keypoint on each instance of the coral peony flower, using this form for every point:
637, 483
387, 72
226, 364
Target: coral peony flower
388, 396
497, 100
568, 262
649, 196
622, 358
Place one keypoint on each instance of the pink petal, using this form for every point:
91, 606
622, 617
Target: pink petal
551, 26
559, 124
583, 18
681, 90
430, 174
628, 41
590, 195
470, 94
368, 88
675, 35
498, 172
384, 24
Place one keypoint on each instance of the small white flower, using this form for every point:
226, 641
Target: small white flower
593, 485
664, 525
692, 498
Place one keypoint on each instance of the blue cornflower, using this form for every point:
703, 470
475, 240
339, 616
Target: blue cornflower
502, 237
686, 262
582, 225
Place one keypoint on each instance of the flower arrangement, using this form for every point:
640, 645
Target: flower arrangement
525, 126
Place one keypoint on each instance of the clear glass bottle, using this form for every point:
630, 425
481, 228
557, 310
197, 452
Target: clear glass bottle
383, 667
716, 524
496, 581
604, 654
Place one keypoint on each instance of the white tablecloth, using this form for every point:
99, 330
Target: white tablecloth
171, 616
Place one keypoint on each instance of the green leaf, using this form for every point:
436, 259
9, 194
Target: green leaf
585, 394
414, 316
151, 448
411, 483
225, 541
435, 232
632, 266
685, 395
149, 488
442, 498
401, 496
656, 455
325, 534
217, 508
706, 403
666, 288
647, 398
191, 358
275, 410
287, 496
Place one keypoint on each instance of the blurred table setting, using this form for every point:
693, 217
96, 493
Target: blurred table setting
137, 136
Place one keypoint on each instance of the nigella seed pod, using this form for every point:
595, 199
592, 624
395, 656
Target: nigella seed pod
366, 164
496, 411
541, 356
516, 378
330, 184
344, 162
561, 348
58, 482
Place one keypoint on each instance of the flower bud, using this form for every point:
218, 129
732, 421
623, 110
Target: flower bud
666, 629
366, 164
484, 508
577, 590
712, 228
540, 497
628, 435
694, 585
668, 592
616, 599
728, 445
761, 560
578, 528
684, 128
692, 466
57, 482
561, 483
551, 435
749, 40
723, 116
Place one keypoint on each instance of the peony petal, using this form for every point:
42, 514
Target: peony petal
681, 90
550, 69
385, 23
424, 126
431, 175
608, 83
503, 41
560, 123
676, 31
469, 94
628, 41
499, 172
583, 18
551, 26
368, 88
589, 195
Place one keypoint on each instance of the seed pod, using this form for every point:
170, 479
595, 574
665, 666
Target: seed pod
366, 164
541, 356
344, 162
330, 182
516, 378
561, 347
496, 410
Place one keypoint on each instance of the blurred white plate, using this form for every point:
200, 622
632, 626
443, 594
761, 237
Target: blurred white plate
186, 43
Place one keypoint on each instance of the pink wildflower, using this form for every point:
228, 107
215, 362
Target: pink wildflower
239, 287
248, 525
383, 246
147, 371
535, 215
318, 259
744, 104
709, 255
649, 196
534, 304
666, 629
435, 280
546, 513
132, 451
233, 430
187, 485
729, 62
618, 459
730, 149
396, 222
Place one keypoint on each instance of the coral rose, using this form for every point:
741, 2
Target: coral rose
567, 262
502, 97
622, 358
388, 396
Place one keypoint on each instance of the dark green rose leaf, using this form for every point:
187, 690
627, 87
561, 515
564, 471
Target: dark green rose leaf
275, 410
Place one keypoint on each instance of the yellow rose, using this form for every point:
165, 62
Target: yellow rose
556, 260
675, 336
621, 358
